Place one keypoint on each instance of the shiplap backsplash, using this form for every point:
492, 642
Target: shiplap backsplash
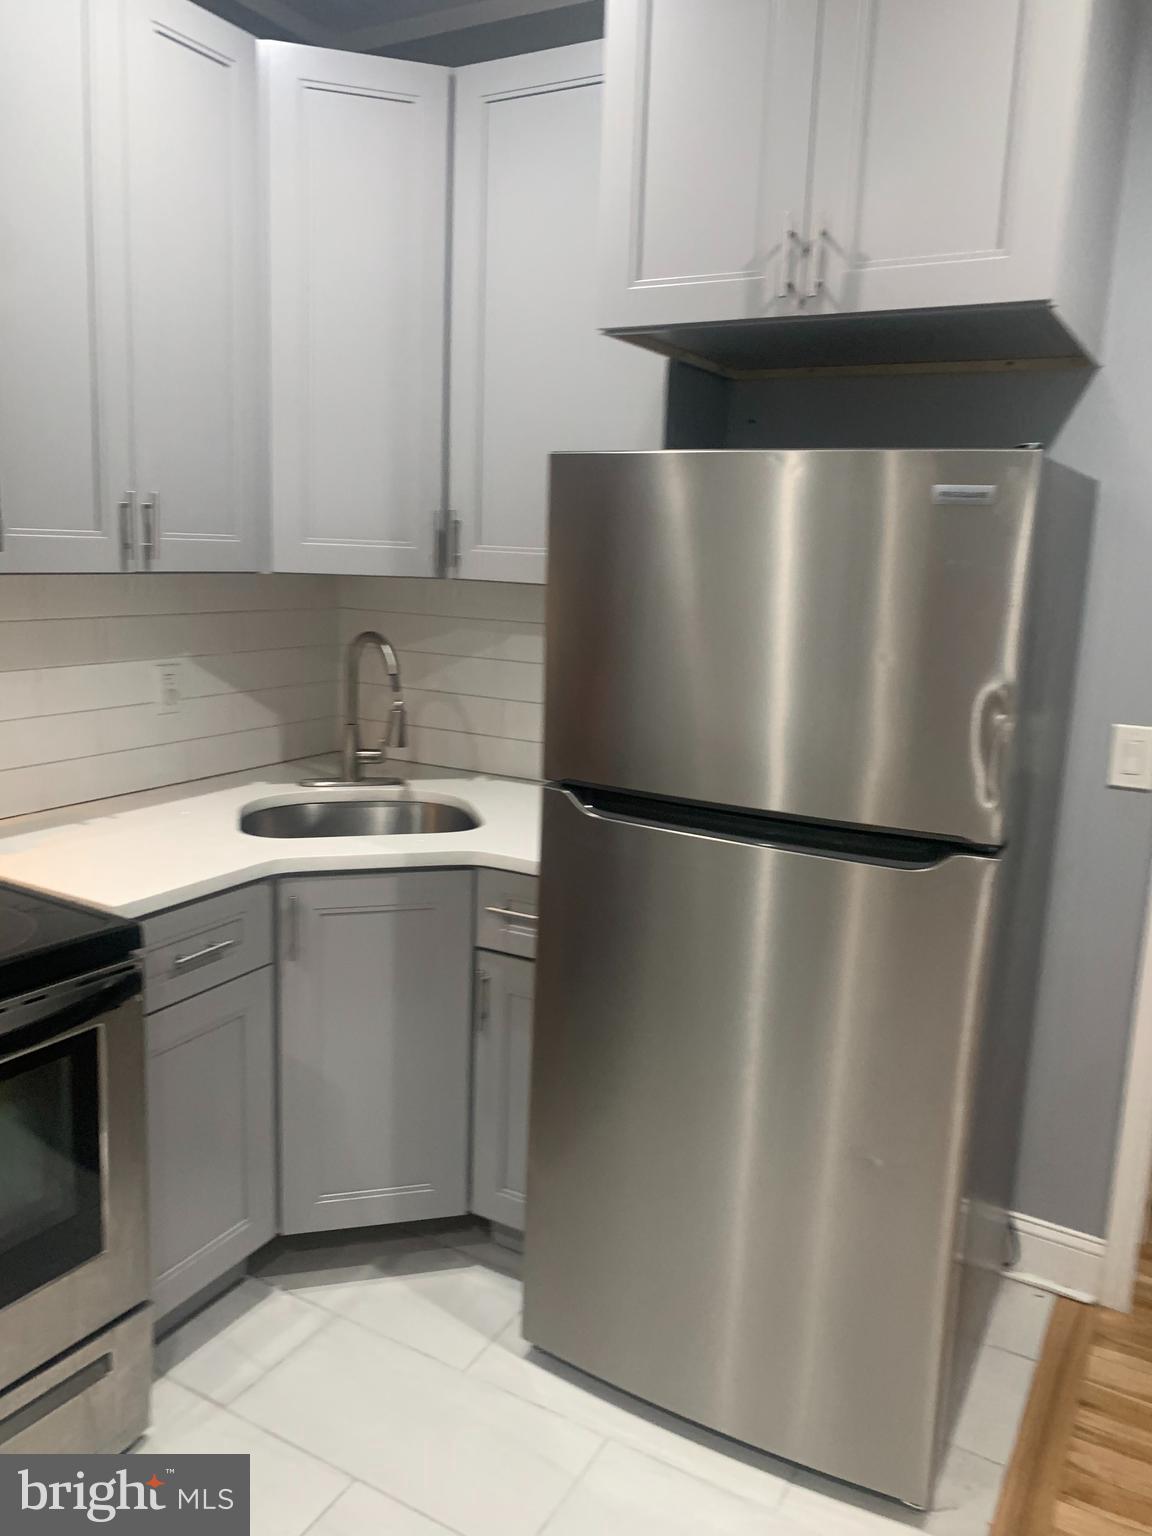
472, 658
260, 677
79, 684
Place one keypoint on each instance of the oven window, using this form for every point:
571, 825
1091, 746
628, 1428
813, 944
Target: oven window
50, 1200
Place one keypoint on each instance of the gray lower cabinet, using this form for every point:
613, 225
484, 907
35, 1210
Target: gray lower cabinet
502, 1060
374, 1039
211, 1119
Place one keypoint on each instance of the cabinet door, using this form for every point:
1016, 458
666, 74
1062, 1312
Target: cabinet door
212, 1136
374, 1036
191, 104
357, 153
63, 460
943, 137
502, 1063
707, 123
531, 374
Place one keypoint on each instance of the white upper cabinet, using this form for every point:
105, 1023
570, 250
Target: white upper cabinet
63, 458
531, 374
192, 222
932, 153
944, 151
129, 385
357, 156
704, 179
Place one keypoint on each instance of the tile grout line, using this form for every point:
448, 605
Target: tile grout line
227, 1408
542, 1529
331, 1503
330, 1319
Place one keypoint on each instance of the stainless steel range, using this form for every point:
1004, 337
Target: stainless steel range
75, 1325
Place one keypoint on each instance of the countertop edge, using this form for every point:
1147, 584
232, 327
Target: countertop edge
318, 864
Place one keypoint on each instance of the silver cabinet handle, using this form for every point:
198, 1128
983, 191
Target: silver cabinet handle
149, 530
124, 513
291, 929
820, 243
512, 915
788, 244
483, 996
203, 956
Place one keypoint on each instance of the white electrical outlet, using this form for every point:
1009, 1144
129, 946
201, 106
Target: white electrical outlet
169, 687
1130, 763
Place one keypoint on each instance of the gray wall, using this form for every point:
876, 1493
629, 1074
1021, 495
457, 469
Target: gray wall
1105, 837
1100, 423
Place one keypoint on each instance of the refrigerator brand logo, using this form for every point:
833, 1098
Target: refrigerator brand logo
75, 1493
974, 495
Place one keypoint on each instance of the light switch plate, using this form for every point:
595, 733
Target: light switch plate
1130, 762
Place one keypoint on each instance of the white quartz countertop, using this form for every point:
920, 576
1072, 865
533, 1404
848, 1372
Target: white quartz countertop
142, 853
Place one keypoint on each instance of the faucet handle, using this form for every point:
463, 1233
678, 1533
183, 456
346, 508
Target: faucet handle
397, 725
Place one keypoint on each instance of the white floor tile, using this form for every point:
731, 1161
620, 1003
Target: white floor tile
475, 1458
361, 1511
170, 1405
990, 1418
290, 1489
508, 1364
226, 1347
450, 1313
964, 1504
1019, 1319
625, 1493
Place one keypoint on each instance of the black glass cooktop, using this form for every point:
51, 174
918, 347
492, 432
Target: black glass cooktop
44, 940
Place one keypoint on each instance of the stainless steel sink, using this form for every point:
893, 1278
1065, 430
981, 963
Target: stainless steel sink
354, 818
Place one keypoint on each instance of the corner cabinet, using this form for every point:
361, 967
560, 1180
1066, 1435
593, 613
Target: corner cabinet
374, 1035
129, 360
356, 171
861, 156
530, 373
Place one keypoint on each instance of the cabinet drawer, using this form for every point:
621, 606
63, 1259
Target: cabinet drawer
506, 913
199, 946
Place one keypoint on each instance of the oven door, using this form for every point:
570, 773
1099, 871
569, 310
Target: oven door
73, 1193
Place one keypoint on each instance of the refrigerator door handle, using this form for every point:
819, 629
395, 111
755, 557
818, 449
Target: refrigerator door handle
995, 724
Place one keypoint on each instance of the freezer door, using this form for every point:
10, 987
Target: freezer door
752, 1072
824, 634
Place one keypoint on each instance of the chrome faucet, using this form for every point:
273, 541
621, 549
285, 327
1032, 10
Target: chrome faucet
352, 754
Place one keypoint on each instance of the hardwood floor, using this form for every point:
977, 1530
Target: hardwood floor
1083, 1462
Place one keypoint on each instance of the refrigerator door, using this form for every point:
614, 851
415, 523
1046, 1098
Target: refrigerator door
751, 1075
832, 635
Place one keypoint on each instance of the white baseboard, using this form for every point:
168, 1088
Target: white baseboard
1057, 1258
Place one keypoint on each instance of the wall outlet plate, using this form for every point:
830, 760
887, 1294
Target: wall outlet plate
1130, 761
169, 686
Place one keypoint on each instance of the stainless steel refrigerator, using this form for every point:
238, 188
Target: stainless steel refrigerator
804, 730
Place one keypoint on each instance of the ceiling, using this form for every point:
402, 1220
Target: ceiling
410, 26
